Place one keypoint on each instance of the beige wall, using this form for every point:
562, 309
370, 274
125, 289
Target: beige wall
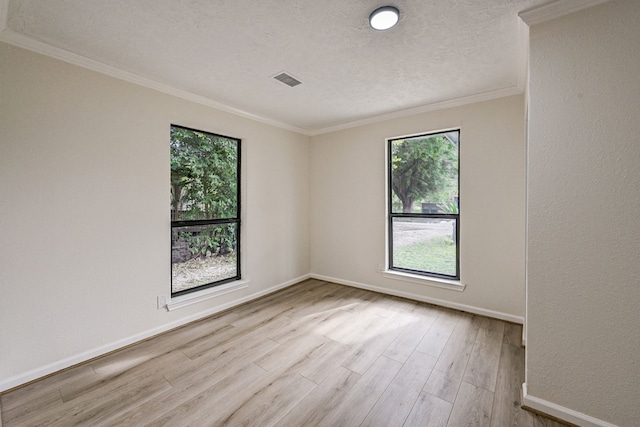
583, 286
84, 171
84, 214
348, 174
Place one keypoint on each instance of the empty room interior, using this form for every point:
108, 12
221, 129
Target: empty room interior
430, 224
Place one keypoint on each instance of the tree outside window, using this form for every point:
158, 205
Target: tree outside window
205, 209
423, 199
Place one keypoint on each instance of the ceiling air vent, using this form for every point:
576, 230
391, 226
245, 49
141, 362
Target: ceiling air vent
287, 79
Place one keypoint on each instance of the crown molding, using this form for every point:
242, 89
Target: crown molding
523, 54
4, 14
20, 40
452, 103
556, 9
519, 88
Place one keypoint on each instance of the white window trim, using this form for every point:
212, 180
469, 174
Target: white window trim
436, 282
205, 294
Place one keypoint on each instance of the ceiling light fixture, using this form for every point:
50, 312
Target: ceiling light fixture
384, 18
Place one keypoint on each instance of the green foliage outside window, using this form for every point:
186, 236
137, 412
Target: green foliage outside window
203, 175
424, 169
204, 170
424, 204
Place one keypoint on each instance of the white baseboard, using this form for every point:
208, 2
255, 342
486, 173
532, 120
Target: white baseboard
462, 307
68, 362
51, 368
560, 412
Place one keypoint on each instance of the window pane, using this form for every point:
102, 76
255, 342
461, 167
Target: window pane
425, 244
204, 180
203, 254
424, 174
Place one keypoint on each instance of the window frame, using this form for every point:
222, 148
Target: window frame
214, 221
391, 215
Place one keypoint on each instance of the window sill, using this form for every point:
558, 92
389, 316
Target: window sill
199, 296
454, 285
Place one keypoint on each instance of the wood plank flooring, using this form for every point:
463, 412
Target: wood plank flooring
314, 354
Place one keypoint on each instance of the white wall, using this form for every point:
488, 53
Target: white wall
583, 285
84, 210
348, 173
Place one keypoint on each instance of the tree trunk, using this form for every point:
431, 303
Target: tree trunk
407, 204
407, 201
177, 200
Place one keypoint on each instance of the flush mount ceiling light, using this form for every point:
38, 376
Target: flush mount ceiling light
384, 18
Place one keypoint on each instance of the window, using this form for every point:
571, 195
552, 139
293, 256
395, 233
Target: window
424, 204
205, 210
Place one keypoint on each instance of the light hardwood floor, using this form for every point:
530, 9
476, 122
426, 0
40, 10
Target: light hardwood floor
314, 354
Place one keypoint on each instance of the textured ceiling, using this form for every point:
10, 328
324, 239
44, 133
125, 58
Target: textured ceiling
228, 50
